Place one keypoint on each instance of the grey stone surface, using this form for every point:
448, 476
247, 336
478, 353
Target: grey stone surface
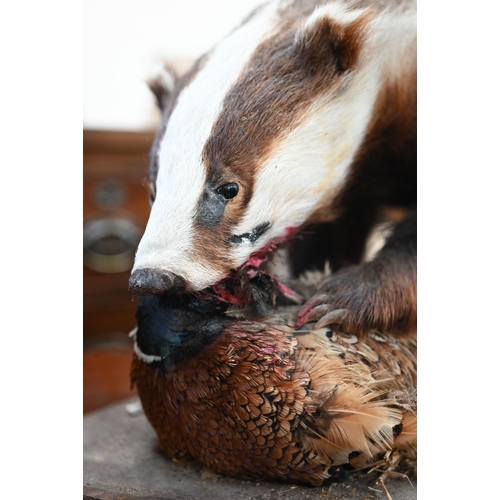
120, 462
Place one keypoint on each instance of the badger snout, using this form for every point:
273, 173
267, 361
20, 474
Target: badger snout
149, 281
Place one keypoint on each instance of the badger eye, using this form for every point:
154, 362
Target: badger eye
228, 191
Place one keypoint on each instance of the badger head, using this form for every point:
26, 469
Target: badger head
255, 141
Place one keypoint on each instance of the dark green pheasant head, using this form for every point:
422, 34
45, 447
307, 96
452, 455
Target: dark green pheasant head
170, 329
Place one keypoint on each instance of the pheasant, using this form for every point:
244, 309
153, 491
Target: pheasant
260, 398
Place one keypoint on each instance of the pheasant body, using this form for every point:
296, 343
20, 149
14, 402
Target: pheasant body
263, 400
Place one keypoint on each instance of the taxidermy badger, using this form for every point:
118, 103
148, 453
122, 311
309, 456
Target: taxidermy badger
294, 132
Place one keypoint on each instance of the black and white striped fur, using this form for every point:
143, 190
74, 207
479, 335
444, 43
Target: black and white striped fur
301, 122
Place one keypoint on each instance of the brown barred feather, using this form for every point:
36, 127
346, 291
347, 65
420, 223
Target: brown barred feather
267, 401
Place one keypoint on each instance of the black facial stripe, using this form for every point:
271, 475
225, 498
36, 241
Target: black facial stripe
252, 236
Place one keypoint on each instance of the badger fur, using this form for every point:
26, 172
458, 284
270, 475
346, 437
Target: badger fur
298, 127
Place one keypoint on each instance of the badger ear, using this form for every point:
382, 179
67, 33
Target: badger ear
162, 83
333, 32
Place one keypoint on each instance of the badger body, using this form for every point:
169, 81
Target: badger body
299, 126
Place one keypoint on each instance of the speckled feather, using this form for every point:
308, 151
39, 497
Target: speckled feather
266, 401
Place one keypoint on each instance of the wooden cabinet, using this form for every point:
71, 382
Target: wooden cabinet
115, 212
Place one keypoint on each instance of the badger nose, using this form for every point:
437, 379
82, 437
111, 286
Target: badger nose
148, 281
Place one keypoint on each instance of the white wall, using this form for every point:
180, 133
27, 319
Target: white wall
123, 40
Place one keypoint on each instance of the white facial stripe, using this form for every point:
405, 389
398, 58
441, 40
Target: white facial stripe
394, 43
168, 238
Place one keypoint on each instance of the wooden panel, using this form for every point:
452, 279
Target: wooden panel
114, 187
106, 372
112, 142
